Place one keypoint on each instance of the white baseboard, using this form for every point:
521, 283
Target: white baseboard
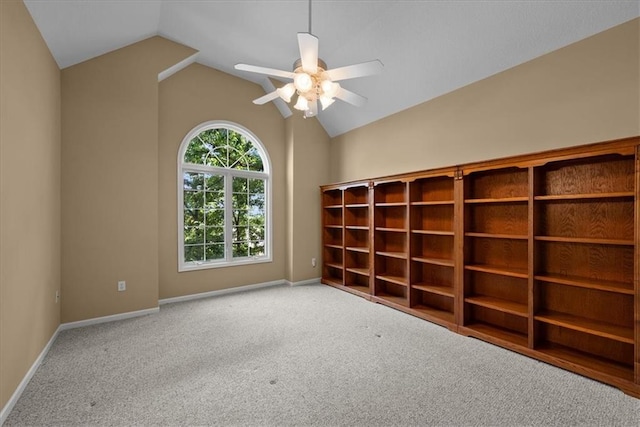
105, 319
304, 282
23, 384
221, 292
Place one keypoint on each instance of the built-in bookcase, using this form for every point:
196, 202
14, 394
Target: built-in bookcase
432, 292
496, 258
537, 253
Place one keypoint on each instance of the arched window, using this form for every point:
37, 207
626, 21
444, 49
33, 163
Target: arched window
224, 198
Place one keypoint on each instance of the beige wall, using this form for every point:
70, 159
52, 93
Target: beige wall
586, 92
309, 145
193, 96
30, 188
110, 179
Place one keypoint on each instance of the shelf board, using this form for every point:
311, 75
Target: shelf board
433, 232
497, 236
593, 327
586, 360
332, 226
446, 291
333, 265
499, 333
400, 255
432, 202
333, 246
393, 298
389, 204
398, 280
502, 305
611, 195
499, 200
359, 288
357, 205
394, 230
356, 227
584, 282
361, 271
434, 312
520, 273
435, 261
363, 250
618, 242
335, 281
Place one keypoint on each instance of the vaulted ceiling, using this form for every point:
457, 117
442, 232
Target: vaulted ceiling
428, 48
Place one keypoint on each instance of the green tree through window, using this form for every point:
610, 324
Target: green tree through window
224, 206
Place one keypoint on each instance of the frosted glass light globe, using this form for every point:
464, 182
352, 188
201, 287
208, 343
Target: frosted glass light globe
303, 82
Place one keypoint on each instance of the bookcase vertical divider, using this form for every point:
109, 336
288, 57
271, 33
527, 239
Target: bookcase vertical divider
531, 291
458, 239
637, 268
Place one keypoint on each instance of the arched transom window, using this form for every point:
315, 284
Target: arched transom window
223, 198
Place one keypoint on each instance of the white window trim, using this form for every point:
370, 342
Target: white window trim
228, 261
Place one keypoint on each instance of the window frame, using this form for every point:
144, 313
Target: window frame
228, 174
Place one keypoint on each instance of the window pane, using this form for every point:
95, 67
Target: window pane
240, 234
240, 218
256, 231
193, 235
256, 186
214, 200
256, 248
193, 181
215, 234
194, 253
241, 185
215, 218
214, 182
193, 199
215, 251
240, 250
193, 217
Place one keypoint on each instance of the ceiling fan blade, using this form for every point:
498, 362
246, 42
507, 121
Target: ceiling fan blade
351, 98
264, 70
308, 44
266, 98
356, 70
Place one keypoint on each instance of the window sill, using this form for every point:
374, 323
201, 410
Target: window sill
209, 265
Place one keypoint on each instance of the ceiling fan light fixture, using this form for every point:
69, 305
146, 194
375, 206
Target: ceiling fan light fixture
329, 88
326, 101
302, 104
303, 82
286, 92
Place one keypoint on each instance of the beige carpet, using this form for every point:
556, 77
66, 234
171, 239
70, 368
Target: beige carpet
308, 355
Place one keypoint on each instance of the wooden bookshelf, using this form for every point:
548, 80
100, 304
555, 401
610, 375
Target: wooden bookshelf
537, 253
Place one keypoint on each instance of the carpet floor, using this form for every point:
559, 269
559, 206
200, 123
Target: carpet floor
306, 355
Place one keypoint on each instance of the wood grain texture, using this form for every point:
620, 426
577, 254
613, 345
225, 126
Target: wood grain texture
432, 246
432, 217
497, 218
497, 184
432, 189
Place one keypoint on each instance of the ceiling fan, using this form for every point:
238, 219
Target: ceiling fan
311, 80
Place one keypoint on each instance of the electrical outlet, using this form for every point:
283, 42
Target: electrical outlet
57, 296
313, 262
122, 286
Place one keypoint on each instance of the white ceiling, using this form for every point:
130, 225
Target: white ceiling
428, 48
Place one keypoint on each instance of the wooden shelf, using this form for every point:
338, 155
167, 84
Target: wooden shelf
432, 202
335, 281
617, 242
503, 271
446, 291
435, 261
389, 204
333, 207
393, 299
333, 246
357, 205
586, 360
332, 226
392, 230
427, 311
400, 255
361, 271
359, 288
363, 250
499, 200
356, 227
490, 331
593, 327
583, 282
398, 280
496, 236
333, 265
505, 306
433, 232
613, 195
